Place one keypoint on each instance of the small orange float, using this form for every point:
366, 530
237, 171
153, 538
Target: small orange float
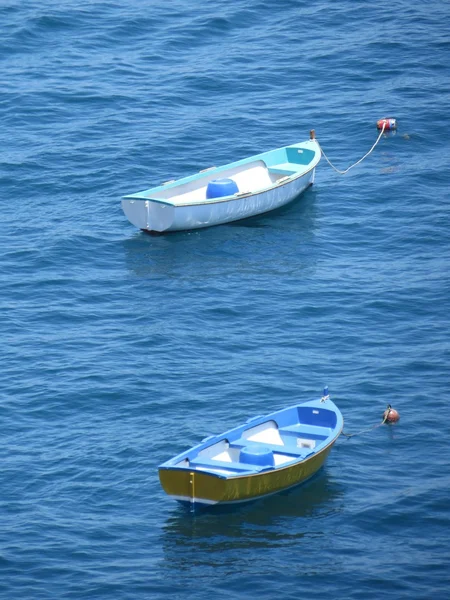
390, 415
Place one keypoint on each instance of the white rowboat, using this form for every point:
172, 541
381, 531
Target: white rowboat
239, 190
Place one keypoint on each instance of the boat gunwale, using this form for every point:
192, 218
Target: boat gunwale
172, 464
239, 195
252, 475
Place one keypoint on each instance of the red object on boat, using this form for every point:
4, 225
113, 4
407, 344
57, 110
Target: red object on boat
389, 123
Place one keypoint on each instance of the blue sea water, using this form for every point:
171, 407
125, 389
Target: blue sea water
120, 349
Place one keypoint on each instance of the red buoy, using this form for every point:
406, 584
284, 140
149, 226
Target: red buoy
390, 415
389, 123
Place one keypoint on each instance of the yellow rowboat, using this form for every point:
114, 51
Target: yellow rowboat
264, 456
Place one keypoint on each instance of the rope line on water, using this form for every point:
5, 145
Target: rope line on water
357, 162
385, 418
349, 435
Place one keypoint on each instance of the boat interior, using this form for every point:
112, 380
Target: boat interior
250, 176
264, 446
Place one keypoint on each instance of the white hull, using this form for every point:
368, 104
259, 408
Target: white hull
155, 216
263, 183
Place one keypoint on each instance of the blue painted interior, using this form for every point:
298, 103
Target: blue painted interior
311, 420
300, 156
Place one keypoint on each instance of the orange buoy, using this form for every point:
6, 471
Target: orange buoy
390, 415
388, 123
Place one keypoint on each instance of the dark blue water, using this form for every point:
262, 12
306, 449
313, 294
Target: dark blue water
121, 349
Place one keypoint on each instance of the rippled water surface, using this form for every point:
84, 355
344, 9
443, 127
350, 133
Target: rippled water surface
121, 349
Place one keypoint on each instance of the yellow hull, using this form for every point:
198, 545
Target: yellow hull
208, 488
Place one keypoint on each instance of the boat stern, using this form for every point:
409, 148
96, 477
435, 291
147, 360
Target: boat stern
192, 486
148, 214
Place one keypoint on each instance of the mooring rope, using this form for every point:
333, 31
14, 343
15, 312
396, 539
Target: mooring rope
349, 435
357, 162
390, 415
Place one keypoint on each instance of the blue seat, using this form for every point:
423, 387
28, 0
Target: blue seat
286, 168
211, 463
290, 450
